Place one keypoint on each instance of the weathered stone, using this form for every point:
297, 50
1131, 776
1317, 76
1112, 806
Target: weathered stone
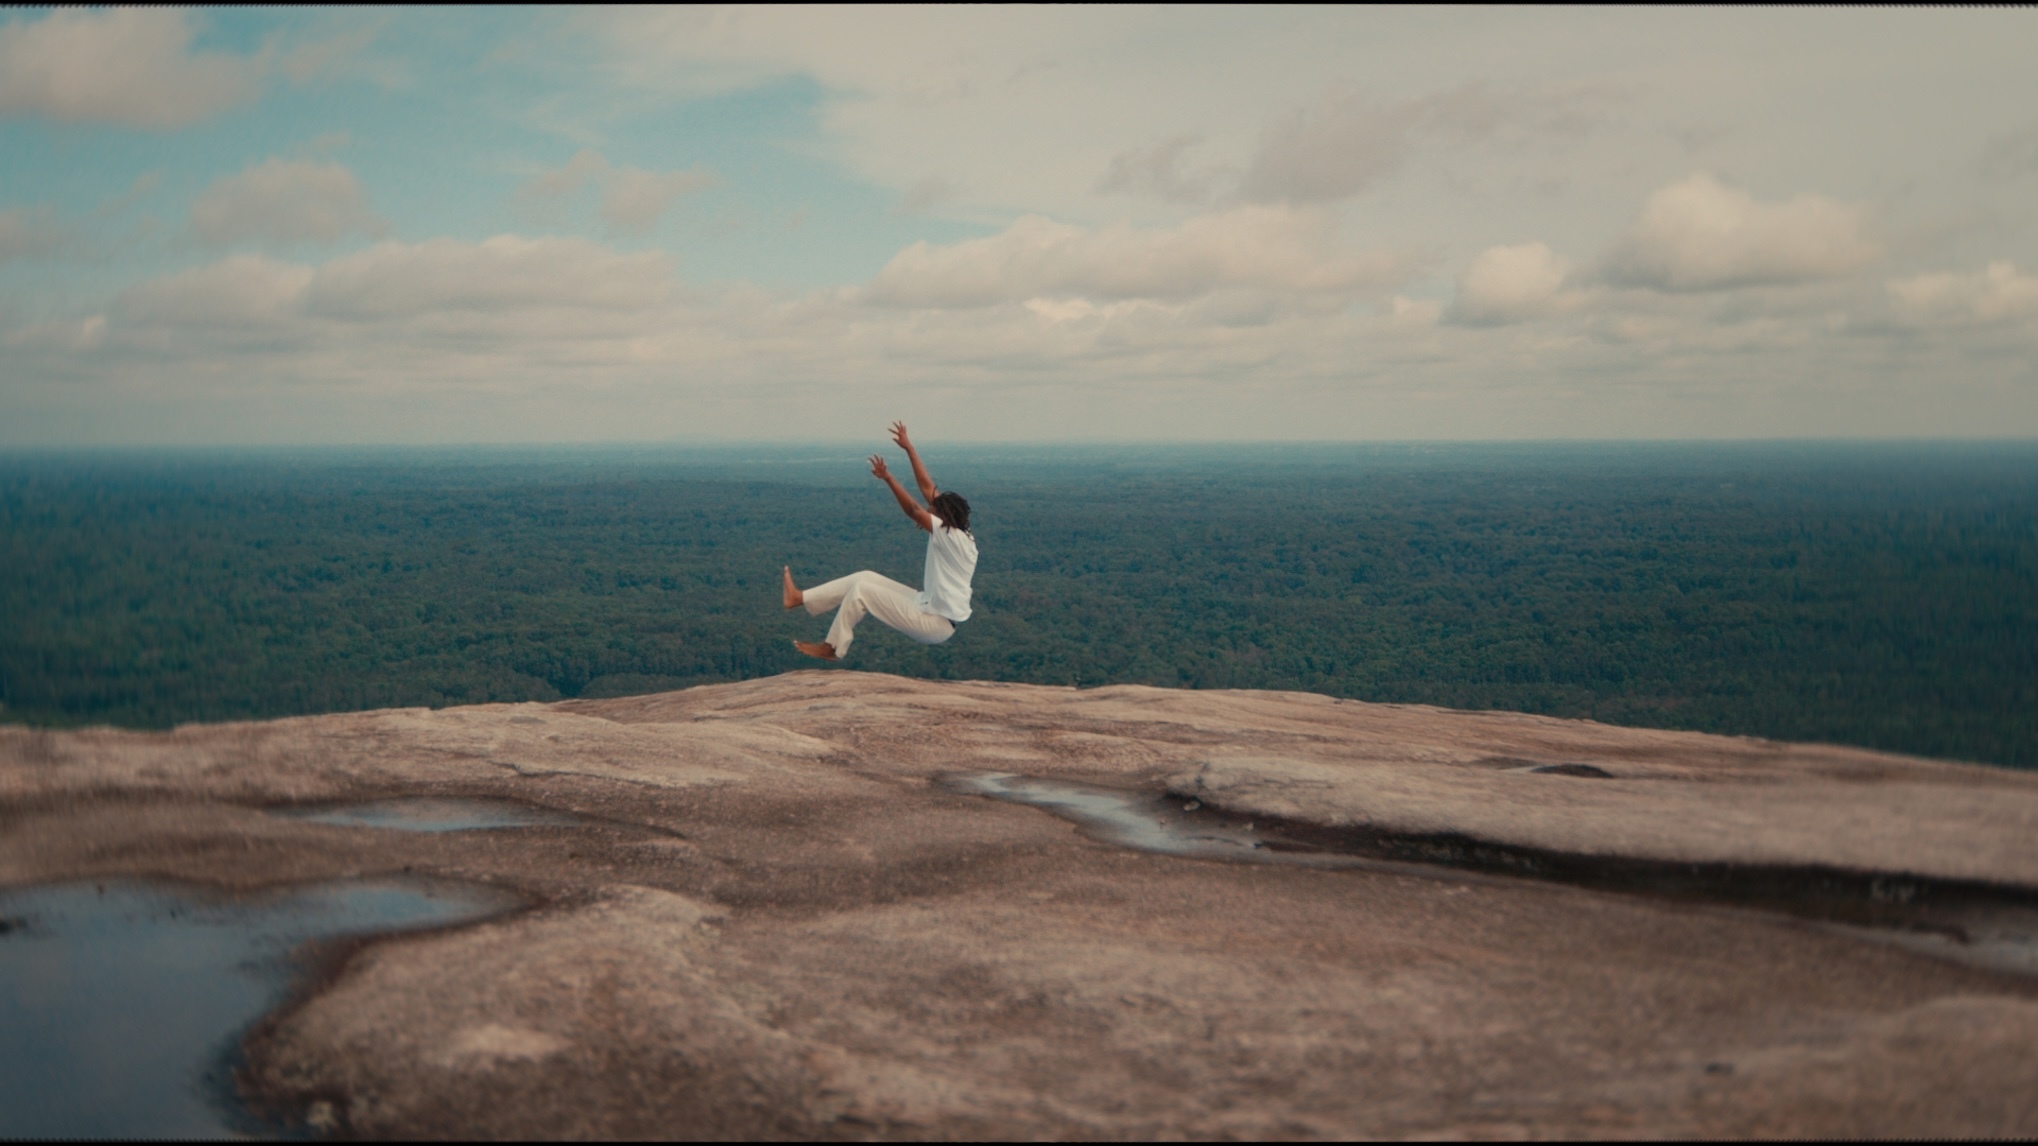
770, 921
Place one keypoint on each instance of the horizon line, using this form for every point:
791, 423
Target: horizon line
861, 441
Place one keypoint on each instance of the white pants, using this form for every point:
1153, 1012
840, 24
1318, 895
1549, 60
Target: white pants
881, 597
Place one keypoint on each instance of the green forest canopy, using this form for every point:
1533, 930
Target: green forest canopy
1880, 595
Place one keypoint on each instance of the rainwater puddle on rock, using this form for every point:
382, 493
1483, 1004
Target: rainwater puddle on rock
1133, 819
1982, 926
1998, 939
122, 1004
432, 814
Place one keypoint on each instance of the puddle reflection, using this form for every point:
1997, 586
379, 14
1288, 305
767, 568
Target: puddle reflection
1982, 926
1131, 819
432, 814
121, 1004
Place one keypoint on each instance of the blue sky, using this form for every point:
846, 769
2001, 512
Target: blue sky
227, 226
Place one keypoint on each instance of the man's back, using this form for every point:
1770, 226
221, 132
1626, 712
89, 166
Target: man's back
951, 562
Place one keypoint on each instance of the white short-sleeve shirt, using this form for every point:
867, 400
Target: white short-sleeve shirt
951, 562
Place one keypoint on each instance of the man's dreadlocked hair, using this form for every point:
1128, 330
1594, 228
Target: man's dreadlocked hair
951, 509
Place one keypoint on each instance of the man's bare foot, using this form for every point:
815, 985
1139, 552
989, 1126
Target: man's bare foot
793, 597
819, 650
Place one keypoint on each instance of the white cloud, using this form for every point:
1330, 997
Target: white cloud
28, 232
1699, 234
129, 66
633, 199
1064, 110
1016, 107
565, 338
1273, 248
393, 283
1994, 295
283, 201
572, 313
506, 273
1125, 134
243, 290
1055, 310
1412, 312
1513, 284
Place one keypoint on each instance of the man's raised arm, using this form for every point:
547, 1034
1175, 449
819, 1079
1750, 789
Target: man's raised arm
927, 488
919, 513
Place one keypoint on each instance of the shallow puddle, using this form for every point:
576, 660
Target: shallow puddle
1131, 819
122, 1004
1979, 925
1998, 939
432, 814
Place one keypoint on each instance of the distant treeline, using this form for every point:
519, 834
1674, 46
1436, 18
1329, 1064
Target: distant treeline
1884, 596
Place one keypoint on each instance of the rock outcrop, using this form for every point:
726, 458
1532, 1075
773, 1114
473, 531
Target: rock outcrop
774, 919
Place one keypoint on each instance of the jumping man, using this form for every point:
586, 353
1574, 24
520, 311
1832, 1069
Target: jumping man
928, 616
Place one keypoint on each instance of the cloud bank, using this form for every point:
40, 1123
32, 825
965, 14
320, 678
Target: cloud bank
1198, 222
507, 276
1514, 284
285, 202
1997, 294
1699, 234
128, 66
1278, 249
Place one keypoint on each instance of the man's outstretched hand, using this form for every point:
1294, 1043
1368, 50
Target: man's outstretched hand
877, 468
920, 475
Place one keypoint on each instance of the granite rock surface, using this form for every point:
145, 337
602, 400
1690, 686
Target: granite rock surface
775, 915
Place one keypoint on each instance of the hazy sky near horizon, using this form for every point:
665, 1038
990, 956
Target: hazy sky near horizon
225, 226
